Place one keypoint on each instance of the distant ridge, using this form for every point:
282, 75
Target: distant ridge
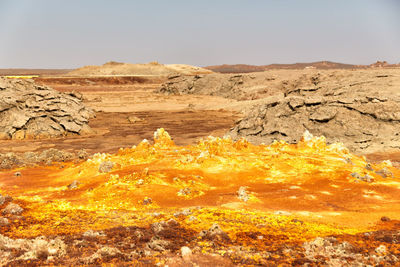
243, 68
4, 72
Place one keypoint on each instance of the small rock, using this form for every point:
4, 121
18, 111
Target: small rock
8, 198
242, 194
356, 175
282, 212
307, 136
138, 234
106, 166
215, 232
192, 218
83, 154
385, 219
16, 218
185, 212
348, 161
145, 171
297, 221
134, 119
157, 244
385, 172
17, 174
369, 167
102, 253
158, 227
184, 192
381, 250
73, 185
172, 222
387, 163
4, 221
147, 201
186, 252
48, 162
76, 94
367, 178
108, 251
91, 233
13, 208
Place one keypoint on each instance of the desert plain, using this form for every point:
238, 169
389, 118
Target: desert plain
151, 164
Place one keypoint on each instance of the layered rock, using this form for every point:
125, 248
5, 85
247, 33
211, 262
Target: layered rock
29, 110
362, 120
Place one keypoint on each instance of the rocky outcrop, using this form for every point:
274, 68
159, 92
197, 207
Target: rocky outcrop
29, 110
361, 111
228, 86
363, 118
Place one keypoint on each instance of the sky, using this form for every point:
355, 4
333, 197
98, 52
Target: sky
73, 33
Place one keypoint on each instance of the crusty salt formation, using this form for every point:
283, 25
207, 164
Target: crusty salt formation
29, 110
282, 204
361, 113
363, 122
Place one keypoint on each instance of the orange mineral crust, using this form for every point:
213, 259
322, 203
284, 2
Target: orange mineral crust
228, 202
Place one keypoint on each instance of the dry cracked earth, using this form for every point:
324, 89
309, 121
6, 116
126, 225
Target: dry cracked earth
301, 171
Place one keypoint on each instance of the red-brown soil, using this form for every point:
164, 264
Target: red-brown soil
114, 131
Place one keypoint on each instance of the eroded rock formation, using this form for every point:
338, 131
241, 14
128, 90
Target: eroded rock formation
29, 110
360, 119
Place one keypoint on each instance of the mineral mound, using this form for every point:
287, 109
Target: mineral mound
217, 202
29, 110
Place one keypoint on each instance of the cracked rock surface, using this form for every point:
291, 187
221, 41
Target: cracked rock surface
237, 86
29, 110
363, 117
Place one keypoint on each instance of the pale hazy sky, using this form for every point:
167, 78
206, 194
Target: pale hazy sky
72, 33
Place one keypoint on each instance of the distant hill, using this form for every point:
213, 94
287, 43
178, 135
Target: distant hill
152, 68
317, 65
243, 68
